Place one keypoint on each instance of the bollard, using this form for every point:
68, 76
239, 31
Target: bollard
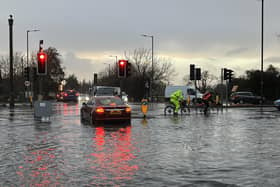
144, 107
217, 102
189, 100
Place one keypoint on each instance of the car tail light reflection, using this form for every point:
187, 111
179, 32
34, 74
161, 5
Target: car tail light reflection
77, 94
128, 109
99, 110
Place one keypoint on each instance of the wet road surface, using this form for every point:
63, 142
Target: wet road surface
237, 147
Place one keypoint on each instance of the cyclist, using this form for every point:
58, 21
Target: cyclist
176, 98
207, 97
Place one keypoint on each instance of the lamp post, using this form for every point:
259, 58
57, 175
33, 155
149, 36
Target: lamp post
152, 78
11, 22
27, 44
27, 53
262, 82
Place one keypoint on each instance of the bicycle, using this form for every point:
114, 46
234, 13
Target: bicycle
170, 108
203, 107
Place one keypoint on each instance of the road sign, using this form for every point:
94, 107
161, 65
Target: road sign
27, 83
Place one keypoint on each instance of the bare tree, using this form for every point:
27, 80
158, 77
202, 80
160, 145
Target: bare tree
19, 64
206, 80
141, 59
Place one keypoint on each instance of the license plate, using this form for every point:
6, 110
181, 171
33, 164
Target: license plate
115, 112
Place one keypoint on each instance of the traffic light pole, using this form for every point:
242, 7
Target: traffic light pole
227, 93
222, 83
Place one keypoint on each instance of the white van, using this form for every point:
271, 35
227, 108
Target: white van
188, 91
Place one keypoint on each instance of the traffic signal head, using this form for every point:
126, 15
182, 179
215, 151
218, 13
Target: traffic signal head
228, 74
198, 73
225, 74
128, 69
192, 73
42, 63
122, 64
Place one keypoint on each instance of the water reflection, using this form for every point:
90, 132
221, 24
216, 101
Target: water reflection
11, 114
112, 156
40, 167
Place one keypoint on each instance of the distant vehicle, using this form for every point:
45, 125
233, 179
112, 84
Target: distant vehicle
105, 108
59, 96
277, 104
83, 97
69, 95
106, 91
245, 97
110, 91
188, 91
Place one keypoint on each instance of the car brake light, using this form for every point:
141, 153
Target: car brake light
77, 94
128, 109
65, 94
99, 110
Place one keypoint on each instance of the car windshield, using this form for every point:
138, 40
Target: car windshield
105, 91
109, 101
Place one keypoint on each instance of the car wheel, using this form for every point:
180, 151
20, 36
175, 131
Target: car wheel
168, 110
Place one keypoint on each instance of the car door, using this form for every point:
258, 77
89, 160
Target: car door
88, 108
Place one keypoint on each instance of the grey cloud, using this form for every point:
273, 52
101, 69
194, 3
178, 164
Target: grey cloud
236, 51
275, 59
81, 67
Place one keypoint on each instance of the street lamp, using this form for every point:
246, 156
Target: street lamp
27, 54
152, 78
27, 43
262, 51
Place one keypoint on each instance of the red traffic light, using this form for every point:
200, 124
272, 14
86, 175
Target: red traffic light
122, 63
42, 57
122, 68
42, 63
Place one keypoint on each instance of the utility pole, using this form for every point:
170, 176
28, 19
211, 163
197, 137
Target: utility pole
12, 102
262, 82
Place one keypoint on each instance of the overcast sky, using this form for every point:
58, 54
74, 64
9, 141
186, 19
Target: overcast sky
209, 33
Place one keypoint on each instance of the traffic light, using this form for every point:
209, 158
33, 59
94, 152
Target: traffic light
95, 79
228, 74
128, 69
225, 74
198, 73
192, 73
26, 73
42, 63
122, 68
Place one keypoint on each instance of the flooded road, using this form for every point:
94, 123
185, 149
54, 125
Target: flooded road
237, 147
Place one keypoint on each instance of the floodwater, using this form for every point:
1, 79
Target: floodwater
236, 147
